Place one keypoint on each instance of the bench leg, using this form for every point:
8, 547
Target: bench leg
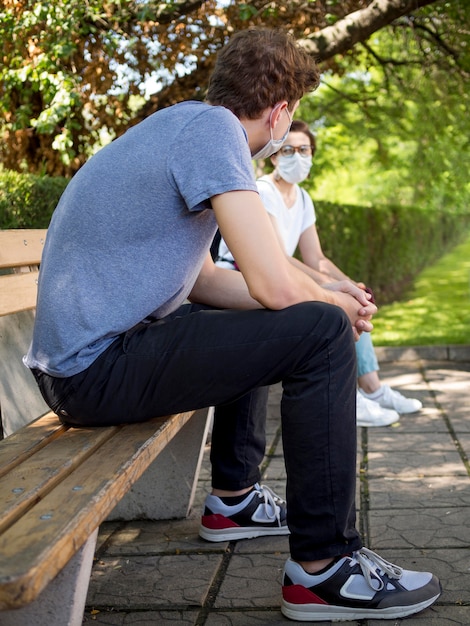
62, 603
166, 489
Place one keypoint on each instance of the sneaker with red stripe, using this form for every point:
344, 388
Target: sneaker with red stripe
261, 513
359, 586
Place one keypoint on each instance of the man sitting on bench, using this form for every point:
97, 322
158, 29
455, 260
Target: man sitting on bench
114, 343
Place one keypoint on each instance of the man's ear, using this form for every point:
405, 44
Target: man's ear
277, 111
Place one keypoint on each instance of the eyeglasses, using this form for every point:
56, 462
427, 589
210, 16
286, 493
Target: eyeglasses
289, 151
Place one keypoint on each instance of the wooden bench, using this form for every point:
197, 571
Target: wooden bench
57, 484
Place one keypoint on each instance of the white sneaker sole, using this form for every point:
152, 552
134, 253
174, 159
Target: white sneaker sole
403, 411
381, 422
319, 613
242, 532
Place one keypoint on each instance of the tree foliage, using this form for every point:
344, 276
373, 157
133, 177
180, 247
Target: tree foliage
76, 73
396, 129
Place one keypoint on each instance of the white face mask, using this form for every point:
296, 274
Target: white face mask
294, 169
273, 145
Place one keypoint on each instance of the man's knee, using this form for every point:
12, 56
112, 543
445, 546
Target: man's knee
317, 317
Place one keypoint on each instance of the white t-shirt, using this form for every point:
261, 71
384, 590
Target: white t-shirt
291, 222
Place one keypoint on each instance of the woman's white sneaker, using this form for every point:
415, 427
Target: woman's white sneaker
393, 399
370, 413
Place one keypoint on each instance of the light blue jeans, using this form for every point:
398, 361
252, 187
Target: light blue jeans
365, 354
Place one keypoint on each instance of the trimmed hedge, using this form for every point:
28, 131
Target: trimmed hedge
27, 201
385, 247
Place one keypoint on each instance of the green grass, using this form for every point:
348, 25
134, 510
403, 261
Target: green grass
436, 311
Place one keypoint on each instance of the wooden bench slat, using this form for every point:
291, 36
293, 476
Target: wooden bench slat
28, 440
21, 247
31, 481
38, 546
18, 292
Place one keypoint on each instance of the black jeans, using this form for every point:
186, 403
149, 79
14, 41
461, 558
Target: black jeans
198, 357
239, 441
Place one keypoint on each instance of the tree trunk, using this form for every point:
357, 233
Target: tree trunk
358, 26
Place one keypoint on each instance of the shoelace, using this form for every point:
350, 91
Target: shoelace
369, 562
269, 503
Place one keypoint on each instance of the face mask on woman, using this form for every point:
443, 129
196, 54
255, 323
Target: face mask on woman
294, 169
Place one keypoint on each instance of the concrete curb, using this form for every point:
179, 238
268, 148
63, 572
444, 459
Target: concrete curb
456, 353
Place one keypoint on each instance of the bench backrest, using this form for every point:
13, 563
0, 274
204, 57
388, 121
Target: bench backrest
20, 255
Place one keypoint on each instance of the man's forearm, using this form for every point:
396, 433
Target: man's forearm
223, 289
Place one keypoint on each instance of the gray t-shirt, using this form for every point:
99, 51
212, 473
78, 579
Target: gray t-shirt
130, 233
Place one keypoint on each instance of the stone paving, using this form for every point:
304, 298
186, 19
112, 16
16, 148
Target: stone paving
413, 508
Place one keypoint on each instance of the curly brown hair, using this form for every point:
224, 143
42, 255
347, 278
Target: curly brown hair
259, 68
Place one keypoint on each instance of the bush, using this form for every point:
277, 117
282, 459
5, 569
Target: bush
27, 201
387, 246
